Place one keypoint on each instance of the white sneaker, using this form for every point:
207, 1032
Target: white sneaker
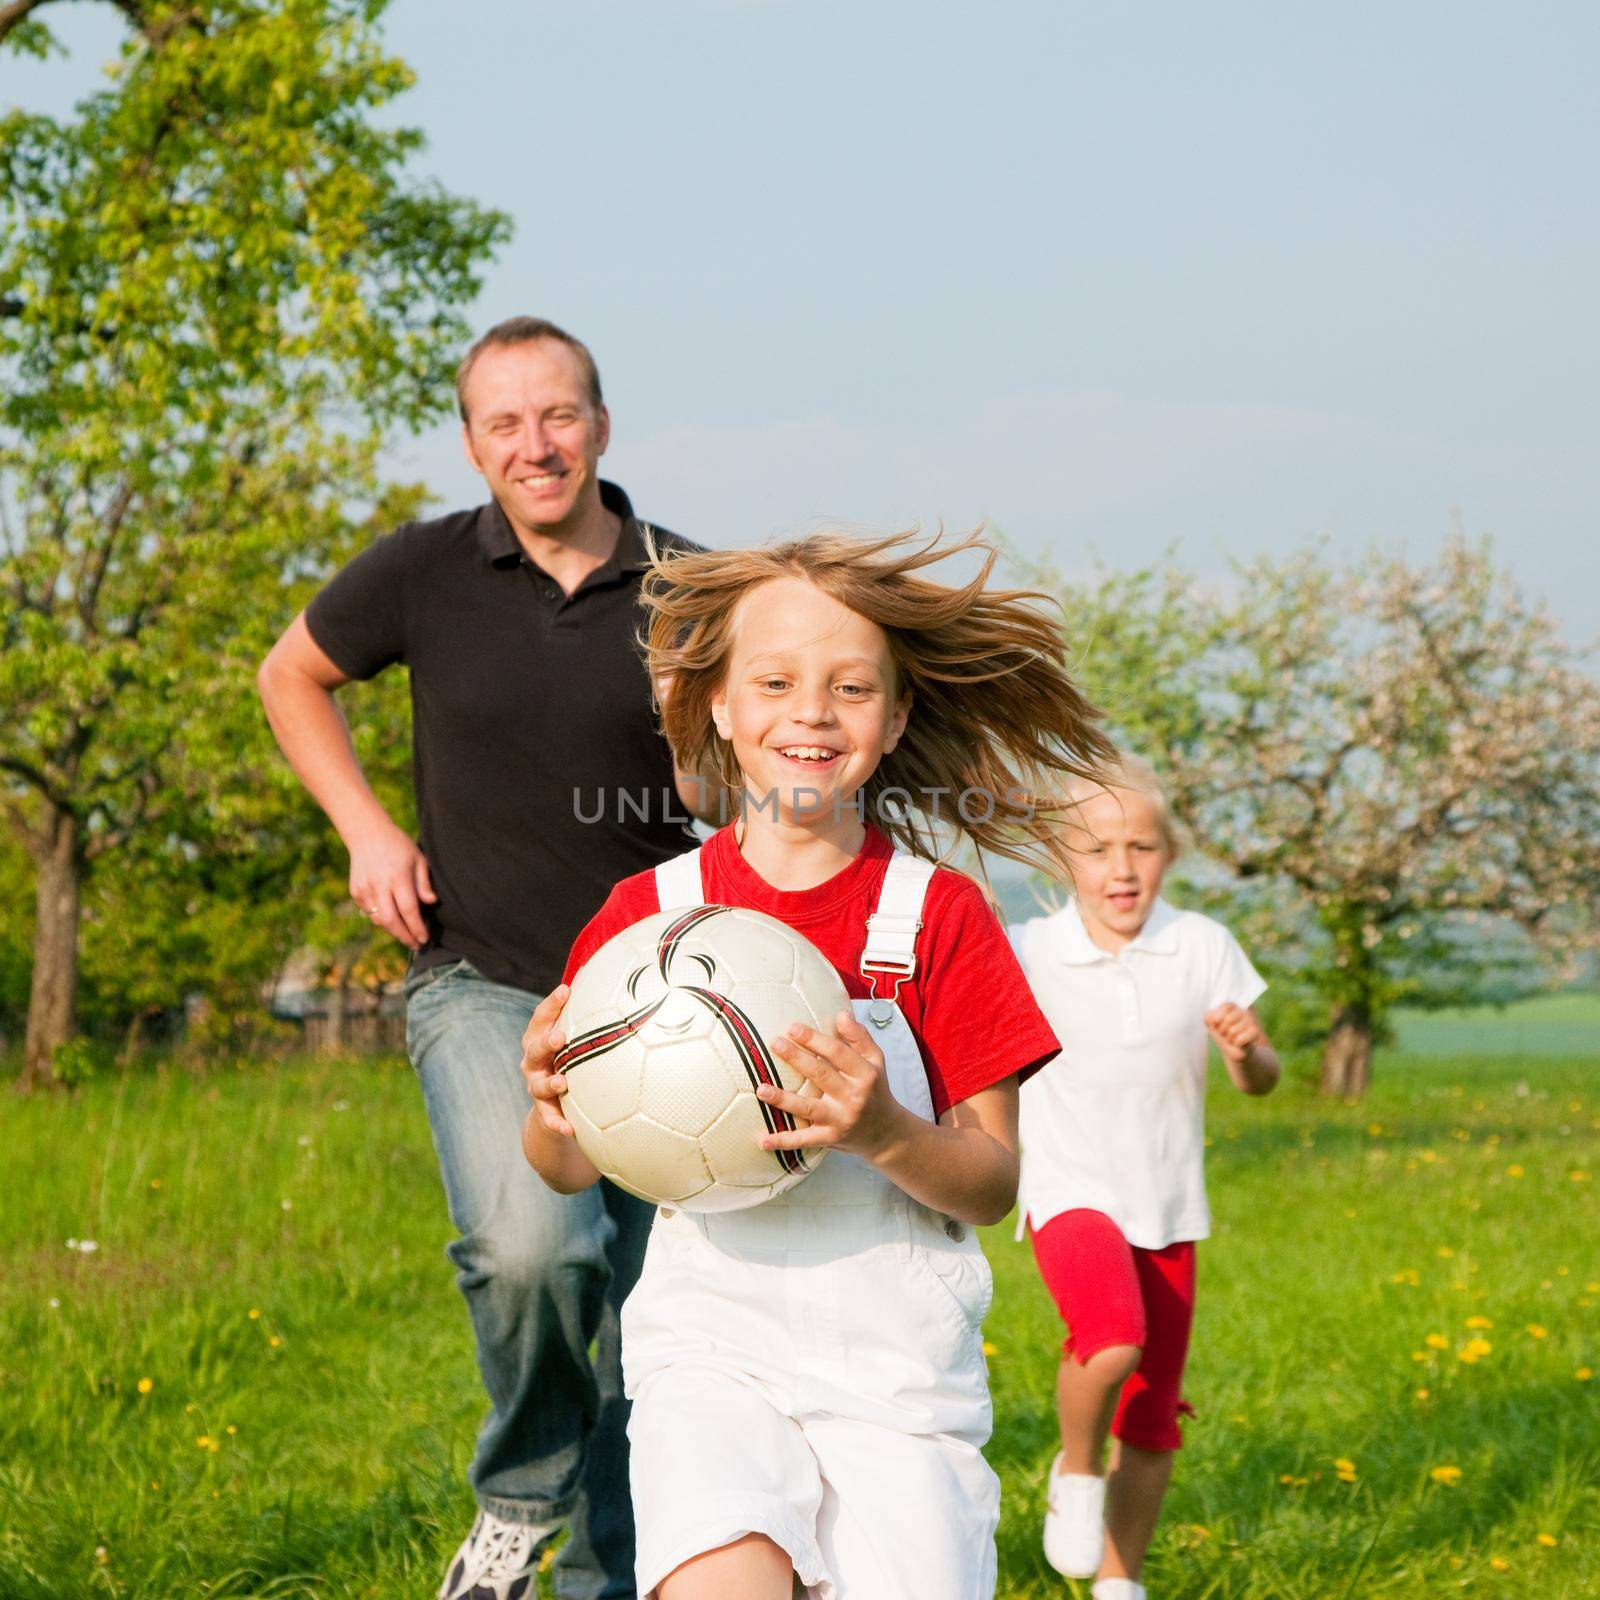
1074, 1526
497, 1560
1118, 1589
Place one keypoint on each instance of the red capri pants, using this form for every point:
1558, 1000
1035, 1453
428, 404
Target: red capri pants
1110, 1292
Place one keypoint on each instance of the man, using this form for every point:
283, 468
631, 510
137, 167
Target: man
531, 721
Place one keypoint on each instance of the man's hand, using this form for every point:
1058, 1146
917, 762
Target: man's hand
541, 1043
389, 881
852, 1108
1236, 1031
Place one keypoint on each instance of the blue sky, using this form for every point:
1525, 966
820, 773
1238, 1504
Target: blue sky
1119, 277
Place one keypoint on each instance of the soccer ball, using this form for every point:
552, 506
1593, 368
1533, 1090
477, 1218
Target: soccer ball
667, 1028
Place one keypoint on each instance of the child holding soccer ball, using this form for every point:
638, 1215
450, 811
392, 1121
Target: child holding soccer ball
1112, 1147
809, 1394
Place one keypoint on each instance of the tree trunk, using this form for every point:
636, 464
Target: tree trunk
334, 1038
59, 868
1347, 1056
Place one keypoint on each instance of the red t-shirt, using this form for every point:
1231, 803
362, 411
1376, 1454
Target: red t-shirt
968, 1004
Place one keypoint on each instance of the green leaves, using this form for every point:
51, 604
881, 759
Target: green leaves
223, 291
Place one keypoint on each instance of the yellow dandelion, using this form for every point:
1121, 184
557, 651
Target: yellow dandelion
230, 1429
1374, 1128
155, 1483
254, 1313
1347, 1477
1420, 1355
1422, 1394
1499, 1563
1446, 1475
1562, 1272
274, 1341
1536, 1332
1514, 1170
1436, 1341
1444, 1252
1591, 1288
145, 1385
203, 1441
1584, 1374
1548, 1540
1578, 1177
1479, 1322
155, 1183
1344, 1464
990, 1349
1238, 1416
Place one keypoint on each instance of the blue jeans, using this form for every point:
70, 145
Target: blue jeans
544, 1277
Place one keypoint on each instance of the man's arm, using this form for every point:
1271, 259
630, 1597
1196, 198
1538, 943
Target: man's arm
388, 873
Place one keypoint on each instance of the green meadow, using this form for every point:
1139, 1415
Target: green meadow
232, 1361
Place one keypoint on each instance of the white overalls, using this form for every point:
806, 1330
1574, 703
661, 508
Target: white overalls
812, 1368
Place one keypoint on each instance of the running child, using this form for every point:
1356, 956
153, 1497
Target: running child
1113, 1137
809, 1394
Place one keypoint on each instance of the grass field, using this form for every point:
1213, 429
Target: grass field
1565, 1024
258, 1380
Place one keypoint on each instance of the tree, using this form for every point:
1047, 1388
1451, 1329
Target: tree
218, 291
1395, 762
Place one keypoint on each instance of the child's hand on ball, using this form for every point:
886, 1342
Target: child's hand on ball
852, 1108
541, 1042
1235, 1029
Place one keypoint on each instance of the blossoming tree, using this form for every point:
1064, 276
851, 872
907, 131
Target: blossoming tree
1391, 758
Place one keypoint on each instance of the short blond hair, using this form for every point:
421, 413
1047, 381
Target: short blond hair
1127, 771
527, 330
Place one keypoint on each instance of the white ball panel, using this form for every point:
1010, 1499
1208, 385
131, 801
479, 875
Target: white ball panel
654, 1162
606, 1088
687, 1087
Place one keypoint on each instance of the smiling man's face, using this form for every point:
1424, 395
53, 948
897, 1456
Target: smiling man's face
534, 432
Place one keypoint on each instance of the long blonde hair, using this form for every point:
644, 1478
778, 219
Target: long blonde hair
994, 711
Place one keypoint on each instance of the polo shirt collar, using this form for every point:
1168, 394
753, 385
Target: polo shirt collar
501, 547
1072, 944
1159, 935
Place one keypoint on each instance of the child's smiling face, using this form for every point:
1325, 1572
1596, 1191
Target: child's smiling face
809, 702
1119, 856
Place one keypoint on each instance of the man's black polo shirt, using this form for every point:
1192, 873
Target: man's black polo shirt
534, 747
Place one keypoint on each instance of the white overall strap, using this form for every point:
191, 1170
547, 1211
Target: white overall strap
678, 882
892, 930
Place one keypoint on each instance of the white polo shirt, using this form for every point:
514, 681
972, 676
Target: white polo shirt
1116, 1123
